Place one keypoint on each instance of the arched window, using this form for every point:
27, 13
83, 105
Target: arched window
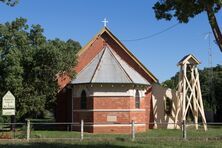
83, 100
168, 106
137, 99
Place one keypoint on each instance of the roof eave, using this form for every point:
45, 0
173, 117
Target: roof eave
109, 83
182, 62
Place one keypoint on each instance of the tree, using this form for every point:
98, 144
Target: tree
29, 65
10, 2
172, 82
183, 10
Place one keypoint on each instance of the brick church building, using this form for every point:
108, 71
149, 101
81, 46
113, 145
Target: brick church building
111, 88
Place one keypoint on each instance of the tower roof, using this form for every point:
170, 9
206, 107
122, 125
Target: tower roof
191, 59
108, 67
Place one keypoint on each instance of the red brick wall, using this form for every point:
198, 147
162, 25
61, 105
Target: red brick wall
112, 102
63, 80
85, 116
77, 102
138, 117
133, 106
82, 115
124, 117
89, 54
101, 117
63, 111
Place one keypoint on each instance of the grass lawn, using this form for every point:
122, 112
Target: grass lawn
103, 143
153, 138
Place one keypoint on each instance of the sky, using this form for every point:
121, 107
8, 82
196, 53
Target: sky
80, 20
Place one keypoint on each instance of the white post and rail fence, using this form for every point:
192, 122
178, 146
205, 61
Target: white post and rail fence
32, 130
28, 129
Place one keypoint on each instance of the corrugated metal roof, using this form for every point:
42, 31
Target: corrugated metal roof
86, 75
108, 67
133, 74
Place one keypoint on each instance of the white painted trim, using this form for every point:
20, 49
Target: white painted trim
111, 95
107, 125
109, 110
116, 97
98, 91
116, 125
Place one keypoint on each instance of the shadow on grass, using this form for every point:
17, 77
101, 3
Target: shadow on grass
63, 145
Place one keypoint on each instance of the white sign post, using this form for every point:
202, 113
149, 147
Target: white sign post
8, 104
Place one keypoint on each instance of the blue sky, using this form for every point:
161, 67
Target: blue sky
80, 20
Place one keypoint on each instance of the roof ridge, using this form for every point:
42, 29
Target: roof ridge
126, 64
120, 65
94, 73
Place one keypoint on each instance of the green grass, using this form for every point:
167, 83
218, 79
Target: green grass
106, 144
153, 138
54, 134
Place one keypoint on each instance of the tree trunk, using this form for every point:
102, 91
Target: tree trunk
214, 26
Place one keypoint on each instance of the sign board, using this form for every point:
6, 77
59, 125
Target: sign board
8, 104
8, 112
111, 118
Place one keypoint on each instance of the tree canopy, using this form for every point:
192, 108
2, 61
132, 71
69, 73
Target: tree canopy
10, 2
183, 10
30, 65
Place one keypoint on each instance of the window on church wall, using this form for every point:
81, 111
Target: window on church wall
83, 100
137, 99
168, 106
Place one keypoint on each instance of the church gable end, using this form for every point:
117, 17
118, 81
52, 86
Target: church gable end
105, 37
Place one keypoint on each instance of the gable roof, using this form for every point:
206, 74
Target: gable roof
189, 58
108, 67
106, 30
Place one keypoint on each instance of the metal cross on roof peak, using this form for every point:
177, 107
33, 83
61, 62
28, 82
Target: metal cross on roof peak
105, 22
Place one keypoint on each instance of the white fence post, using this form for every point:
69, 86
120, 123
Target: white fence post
133, 130
82, 130
28, 130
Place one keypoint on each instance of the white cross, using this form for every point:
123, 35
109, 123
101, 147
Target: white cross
105, 22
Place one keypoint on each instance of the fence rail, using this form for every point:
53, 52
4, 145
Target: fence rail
50, 130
